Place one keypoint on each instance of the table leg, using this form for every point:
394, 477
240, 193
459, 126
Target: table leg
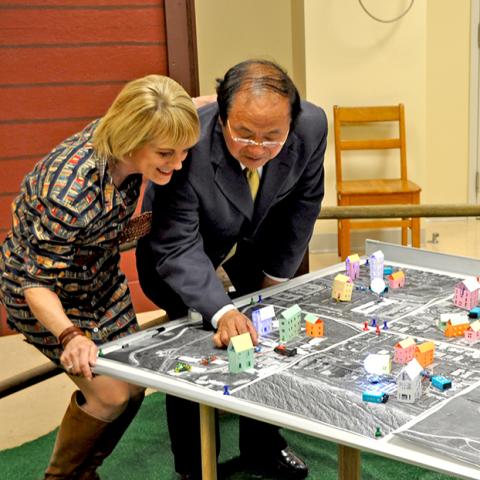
348, 463
207, 432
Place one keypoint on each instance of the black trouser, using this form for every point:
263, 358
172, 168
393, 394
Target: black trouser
257, 439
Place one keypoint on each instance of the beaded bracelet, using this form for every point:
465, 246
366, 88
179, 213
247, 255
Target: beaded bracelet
68, 334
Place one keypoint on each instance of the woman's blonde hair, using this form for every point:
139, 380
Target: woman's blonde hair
146, 109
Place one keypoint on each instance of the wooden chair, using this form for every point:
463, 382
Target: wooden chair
373, 191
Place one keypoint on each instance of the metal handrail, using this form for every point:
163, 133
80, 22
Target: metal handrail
398, 211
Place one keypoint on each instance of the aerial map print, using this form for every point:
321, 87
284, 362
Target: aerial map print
326, 377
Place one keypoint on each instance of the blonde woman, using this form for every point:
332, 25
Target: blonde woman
60, 276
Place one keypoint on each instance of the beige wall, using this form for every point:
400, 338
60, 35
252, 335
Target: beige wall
447, 80
229, 31
350, 59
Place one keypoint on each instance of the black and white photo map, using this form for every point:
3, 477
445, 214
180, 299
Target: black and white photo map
325, 380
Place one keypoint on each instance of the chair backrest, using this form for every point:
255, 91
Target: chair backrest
344, 116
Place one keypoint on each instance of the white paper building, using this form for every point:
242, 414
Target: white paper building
375, 263
409, 382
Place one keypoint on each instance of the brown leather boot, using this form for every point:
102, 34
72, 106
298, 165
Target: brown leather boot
75, 441
110, 438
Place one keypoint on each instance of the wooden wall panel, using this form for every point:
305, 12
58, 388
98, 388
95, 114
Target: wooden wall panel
4, 330
56, 101
5, 212
79, 64
14, 170
20, 138
75, 4
137, 24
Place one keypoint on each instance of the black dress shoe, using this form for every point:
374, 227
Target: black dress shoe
282, 465
188, 476
221, 475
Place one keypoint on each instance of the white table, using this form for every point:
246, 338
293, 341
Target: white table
350, 442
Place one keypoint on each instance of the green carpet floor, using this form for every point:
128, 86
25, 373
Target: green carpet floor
144, 453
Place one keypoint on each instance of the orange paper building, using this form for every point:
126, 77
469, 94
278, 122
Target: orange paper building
457, 326
424, 353
313, 326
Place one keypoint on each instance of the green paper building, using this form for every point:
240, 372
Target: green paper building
289, 323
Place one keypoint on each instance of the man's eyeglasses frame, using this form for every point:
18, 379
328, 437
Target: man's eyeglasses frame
253, 143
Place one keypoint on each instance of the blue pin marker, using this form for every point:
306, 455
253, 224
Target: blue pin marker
374, 322
385, 326
226, 390
259, 299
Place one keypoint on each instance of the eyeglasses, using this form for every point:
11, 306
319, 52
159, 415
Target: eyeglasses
253, 143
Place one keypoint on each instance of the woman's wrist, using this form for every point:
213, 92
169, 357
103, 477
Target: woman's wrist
68, 334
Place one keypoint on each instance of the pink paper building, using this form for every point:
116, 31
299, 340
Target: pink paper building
404, 351
466, 293
472, 334
396, 279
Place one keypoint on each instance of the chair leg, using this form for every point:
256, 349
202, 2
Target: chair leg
416, 232
339, 239
404, 233
344, 239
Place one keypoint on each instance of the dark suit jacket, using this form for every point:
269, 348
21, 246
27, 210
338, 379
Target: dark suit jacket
207, 208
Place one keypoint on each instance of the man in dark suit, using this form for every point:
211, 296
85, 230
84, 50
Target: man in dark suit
246, 198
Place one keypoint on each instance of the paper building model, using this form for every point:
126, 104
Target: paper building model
472, 334
409, 382
379, 364
424, 353
454, 317
313, 326
240, 353
396, 279
404, 351
342, 288
376, 262
466, 293
352, 264
262, 319
289, 323
456, 326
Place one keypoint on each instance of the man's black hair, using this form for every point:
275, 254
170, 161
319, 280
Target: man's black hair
256, 75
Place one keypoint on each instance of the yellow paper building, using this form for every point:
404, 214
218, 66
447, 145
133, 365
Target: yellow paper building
342, 288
